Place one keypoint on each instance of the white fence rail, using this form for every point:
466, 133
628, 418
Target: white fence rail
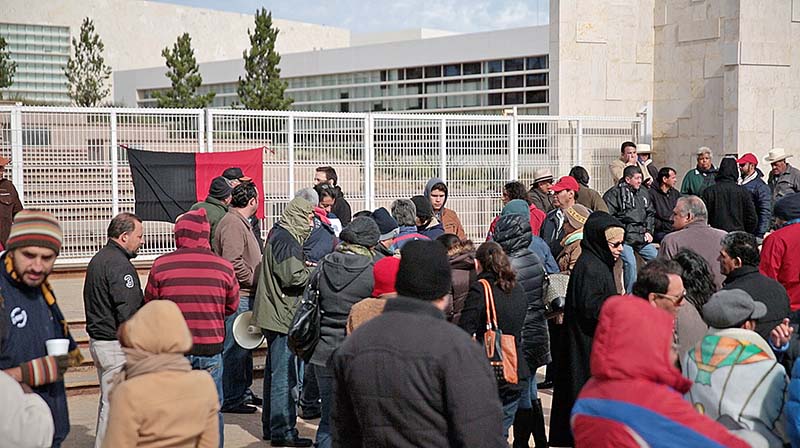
72, 161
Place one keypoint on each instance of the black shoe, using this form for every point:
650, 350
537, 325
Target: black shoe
309, 414
241, 409
544, 385
293, 442
254, 400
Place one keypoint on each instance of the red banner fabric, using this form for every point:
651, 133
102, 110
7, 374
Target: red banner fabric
211, 164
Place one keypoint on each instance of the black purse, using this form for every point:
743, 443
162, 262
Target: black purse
304, 331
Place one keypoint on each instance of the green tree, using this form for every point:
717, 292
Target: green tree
262, 87
87, 71
185, 76
7, 67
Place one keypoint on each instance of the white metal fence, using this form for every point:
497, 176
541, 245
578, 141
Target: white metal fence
72, 161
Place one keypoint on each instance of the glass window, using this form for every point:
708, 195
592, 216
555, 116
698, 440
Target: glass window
496, 83
383, 75
473, 84
414, 73
495, 99
433, 87
538, 79
393, 75
513, 97
433, 71
452, 86
452, 70
433, 102
537, 63
539, 96
471, 100
513, 65
494, 66
413, 89
472, 68
513, 81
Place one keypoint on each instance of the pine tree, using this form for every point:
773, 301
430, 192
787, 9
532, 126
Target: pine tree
185, 76
262, 87
7, 67
87, 71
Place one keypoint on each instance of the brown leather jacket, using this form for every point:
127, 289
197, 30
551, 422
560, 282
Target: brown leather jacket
9, 206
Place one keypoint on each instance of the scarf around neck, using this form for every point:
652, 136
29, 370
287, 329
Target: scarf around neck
141, 362
75, 356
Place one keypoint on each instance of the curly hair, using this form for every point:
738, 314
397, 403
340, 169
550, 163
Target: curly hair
455, 245
493, 259
697, 278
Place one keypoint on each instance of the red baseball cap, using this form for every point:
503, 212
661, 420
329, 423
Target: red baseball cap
747, 158
565, 183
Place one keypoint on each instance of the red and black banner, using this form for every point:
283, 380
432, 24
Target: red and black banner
166, 184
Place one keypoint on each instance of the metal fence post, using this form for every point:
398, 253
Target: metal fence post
579, 158
209, 130
16, 152
369, 163
443, 149
290, 148
513, 146
201, 131
114, 165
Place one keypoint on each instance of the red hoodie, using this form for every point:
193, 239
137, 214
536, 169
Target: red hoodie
202, 283
634, 397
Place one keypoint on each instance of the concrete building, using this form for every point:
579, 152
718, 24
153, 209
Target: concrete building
135, 31
475, 72
41, 52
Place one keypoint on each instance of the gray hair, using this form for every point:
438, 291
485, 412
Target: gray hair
404, 212
309, 194
692, 205
704, 150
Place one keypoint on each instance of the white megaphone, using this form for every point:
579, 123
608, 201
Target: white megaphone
247, 335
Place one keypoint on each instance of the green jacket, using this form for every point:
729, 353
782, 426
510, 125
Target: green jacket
215, 210
283, 274
696, 181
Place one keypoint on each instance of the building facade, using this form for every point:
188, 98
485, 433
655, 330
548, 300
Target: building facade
41, 53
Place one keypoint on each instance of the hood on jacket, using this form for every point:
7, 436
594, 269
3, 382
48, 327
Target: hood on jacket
463, 261
513, 233
158, 327
516, 207
594, 235
633, 341
340, 269
728, 170
429, 186
295, 218
192, 230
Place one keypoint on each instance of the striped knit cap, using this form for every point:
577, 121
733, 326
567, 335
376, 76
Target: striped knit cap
35, 228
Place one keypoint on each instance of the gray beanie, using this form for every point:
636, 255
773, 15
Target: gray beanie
404, 212
362, 231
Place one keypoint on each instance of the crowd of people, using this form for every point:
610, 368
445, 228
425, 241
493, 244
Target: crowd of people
676, 324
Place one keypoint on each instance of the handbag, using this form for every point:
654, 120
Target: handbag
555, 293
501, 349
304, 331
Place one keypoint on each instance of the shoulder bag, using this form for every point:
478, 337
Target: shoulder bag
303, 334
501, 349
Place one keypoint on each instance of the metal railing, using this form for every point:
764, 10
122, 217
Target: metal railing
72, 161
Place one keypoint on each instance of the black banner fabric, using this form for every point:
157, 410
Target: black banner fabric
163, 183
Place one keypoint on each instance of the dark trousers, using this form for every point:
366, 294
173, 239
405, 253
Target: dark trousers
309, 397
279, 416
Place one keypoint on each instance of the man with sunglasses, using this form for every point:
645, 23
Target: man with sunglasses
737, 380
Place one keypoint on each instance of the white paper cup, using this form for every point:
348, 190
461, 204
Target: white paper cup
57, 347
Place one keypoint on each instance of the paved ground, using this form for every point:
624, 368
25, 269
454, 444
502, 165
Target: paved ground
241, 431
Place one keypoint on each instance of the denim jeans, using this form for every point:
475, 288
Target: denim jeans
509, 410
279, 416
309, 395
647, 252
325, 381
529, 394
214, 366
238, 372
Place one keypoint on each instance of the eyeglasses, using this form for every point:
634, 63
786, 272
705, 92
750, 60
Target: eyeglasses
675, 300
616, 245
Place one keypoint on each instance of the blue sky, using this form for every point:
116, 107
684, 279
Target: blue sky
383, 15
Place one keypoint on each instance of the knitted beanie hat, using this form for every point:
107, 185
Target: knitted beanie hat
220, 188
423, 206
362, 231
35, 228
424, 271
384, 274
386, 224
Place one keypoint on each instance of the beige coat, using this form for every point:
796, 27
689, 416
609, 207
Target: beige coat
234, 241
618, 166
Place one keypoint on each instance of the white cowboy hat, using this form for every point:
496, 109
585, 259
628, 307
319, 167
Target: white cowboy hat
776, 155
643, 148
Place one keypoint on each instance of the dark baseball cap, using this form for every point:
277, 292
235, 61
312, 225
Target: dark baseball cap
235, 173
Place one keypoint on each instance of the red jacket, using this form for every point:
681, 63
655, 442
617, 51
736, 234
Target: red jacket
201, 283
537, 218
778, 262
635, 397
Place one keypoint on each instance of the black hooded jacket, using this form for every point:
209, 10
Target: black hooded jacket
730, 206
590, 284
513, 234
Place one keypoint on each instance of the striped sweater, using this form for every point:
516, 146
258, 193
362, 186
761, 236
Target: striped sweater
202, 283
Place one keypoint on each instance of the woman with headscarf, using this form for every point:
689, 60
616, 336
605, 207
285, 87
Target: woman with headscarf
576, 217
158, 400
345, 278
462, 264
591, 283
513, 233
